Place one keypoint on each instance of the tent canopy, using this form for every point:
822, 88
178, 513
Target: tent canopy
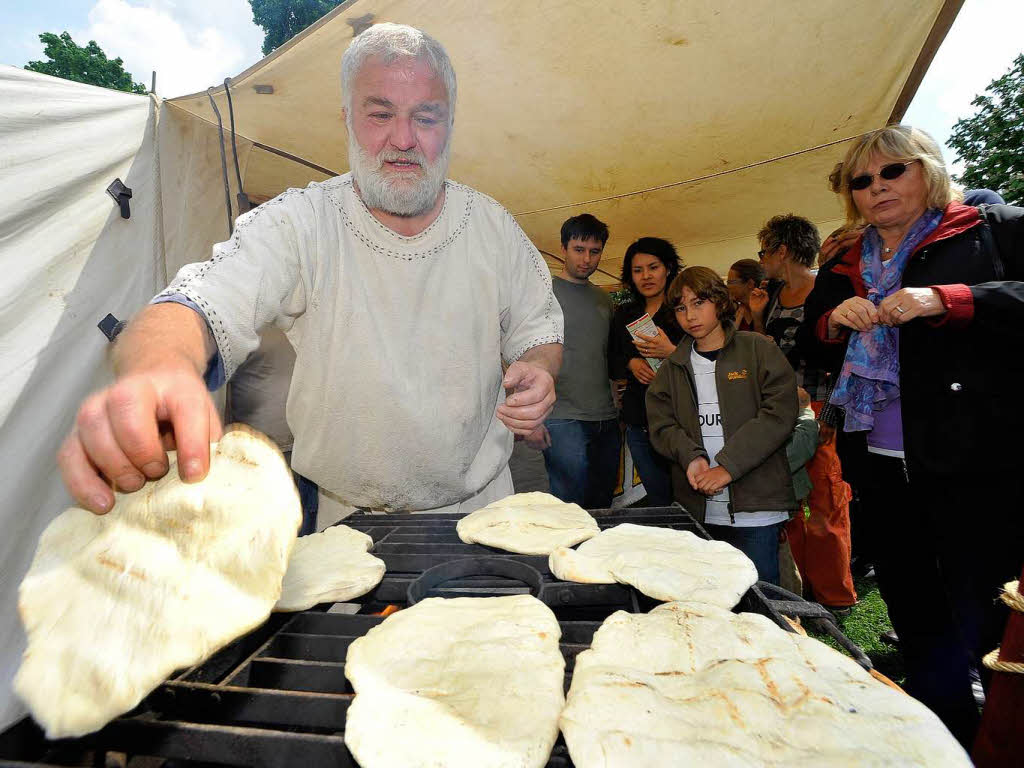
687, 120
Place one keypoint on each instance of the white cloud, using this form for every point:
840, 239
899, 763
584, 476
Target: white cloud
192, 44
981, 45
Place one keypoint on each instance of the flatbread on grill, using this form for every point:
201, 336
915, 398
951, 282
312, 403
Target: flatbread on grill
113, 604
474, 682
661, 562
528, 523
329, 567
692, 684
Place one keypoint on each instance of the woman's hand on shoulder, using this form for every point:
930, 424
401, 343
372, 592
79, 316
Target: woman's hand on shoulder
641, 370
856, 313
909, 303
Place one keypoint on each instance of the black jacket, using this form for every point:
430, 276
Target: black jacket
757, 399
621, 350
960, 376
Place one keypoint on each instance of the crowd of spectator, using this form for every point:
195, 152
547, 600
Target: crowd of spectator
771, 403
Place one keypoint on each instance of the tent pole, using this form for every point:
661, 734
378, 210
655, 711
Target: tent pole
243, 201
223, 163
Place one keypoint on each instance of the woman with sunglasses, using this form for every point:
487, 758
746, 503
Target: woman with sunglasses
922, 323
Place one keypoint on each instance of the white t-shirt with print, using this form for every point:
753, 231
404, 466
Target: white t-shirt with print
710, 416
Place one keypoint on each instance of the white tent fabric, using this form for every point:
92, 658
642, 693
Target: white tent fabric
686, 119
67, 259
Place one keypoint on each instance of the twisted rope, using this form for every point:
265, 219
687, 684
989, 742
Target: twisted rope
1015, 600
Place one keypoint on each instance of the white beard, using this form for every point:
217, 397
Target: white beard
406, 195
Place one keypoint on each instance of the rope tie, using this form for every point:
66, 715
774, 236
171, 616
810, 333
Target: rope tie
1015, 601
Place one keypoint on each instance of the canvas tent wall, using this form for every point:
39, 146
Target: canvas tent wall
67, 258
691, 120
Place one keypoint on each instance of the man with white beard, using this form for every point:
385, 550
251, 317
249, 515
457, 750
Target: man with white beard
402, 294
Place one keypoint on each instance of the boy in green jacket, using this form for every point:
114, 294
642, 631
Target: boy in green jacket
722, 410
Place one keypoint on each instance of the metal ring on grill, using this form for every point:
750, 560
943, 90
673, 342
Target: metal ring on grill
475, 566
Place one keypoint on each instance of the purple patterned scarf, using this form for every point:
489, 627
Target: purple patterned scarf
870, 376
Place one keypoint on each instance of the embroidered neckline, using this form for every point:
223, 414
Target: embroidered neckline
343, 185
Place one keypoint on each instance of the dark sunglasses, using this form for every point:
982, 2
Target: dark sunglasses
887, 172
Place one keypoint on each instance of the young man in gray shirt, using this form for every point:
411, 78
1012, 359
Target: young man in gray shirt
581, 437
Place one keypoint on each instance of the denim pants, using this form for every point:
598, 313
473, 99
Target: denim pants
759, 543
655, 470
583, 461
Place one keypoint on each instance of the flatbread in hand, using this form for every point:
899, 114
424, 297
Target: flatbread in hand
528, 523
692, 684
113, 604
329, 567
474, 682
660, 562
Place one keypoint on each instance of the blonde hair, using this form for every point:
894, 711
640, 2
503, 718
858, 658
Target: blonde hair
901, 143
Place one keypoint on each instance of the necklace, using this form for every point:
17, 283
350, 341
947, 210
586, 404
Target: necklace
888, 250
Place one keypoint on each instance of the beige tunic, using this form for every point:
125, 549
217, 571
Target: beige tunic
398, 340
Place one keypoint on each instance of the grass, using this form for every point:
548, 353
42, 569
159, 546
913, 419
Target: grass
867, 620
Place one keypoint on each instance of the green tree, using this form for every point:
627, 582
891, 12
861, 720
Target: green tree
84, 65
991, 142
283, 19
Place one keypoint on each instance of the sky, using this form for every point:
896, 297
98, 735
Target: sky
193, 44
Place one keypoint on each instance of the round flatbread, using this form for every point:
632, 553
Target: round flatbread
528, 523
329, 567
113, 604
661, 562
694, 684
473, 682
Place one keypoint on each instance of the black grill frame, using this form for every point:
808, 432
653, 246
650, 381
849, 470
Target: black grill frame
272, 697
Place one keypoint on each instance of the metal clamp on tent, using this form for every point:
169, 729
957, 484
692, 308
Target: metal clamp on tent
121, 195
111, 326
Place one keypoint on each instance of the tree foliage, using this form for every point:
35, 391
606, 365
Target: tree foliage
991, 142
283, 19
84, 65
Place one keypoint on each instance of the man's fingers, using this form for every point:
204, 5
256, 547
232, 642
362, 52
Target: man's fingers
216, 428
81, 478
526, 397
515, 375
530, 413
131, 411
100, 445
190, 414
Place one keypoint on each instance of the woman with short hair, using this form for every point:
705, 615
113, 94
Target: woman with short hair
922, 322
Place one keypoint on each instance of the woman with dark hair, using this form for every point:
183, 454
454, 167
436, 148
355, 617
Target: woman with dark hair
921, 322
648, 268
745, 276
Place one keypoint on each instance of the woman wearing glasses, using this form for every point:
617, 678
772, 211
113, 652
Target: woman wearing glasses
922, 323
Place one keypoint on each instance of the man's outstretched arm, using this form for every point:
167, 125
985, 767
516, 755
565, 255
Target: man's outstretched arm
159, 360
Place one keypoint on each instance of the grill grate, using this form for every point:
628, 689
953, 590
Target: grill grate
278, 696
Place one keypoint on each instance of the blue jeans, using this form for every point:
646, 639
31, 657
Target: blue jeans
583, 461
655, 470
760, 544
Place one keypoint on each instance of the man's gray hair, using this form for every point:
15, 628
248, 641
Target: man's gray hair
393, 42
